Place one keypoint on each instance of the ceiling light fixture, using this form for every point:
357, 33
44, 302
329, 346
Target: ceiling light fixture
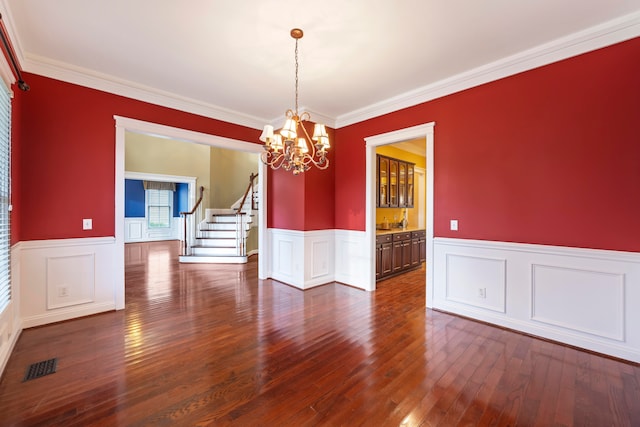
292, 148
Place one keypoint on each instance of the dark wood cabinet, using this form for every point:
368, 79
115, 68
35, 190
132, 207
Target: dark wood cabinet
394, 180
418, 247
399, 252
384, 255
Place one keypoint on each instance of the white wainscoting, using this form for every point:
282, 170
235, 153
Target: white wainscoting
353, 264
67, 278
10, 322
136, 230
303, 259
583, 297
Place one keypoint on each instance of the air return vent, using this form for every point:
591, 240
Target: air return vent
40, 369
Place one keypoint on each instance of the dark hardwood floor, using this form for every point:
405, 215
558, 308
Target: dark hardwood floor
202, 345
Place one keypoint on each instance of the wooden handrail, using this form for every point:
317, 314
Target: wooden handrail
191, 212
251, 178
196, 205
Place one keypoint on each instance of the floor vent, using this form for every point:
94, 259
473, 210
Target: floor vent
40, 369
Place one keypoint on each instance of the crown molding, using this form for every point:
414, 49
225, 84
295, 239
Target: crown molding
315, 118
88, 78
599, 36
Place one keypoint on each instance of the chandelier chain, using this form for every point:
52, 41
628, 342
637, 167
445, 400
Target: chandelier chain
296, 77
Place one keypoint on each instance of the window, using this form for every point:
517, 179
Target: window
159, 208
5, 192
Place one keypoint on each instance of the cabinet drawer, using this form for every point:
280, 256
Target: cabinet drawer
418, 234
401, 236
385, 238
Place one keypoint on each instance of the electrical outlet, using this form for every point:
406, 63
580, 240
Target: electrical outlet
454, 225
482, 292
87, 224
63, 291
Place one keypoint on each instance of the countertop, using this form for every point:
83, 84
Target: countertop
397, 230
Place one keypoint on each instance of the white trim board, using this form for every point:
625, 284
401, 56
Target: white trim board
581, 297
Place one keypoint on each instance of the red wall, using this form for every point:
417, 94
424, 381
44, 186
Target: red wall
66, 155
549, 156
302, 202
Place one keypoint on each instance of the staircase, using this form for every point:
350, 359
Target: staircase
221, 236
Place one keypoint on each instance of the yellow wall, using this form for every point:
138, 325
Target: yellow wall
229, 177
149, 154
230, 171
397, 213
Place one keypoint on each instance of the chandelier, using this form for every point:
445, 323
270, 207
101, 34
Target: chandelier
292, 149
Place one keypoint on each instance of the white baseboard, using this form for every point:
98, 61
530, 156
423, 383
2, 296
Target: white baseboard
66, 314
582, 297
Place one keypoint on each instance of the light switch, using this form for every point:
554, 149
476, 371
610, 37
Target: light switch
87, 224
454, 224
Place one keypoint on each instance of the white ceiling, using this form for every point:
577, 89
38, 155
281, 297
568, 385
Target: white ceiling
234, 59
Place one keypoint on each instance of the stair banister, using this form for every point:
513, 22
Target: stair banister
251, 178
189, 216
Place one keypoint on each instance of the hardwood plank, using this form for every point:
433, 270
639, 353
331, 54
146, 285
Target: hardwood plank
213, 345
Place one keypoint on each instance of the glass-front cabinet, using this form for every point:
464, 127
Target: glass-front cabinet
383, 182
402, 184
409, 185
395, 183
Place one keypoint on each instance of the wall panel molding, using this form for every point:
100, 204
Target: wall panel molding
582, 297
477, 281
66, 278
597, 299
302, 259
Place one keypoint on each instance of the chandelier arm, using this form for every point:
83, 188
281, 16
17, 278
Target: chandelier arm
308, 140
275, 163
321, 163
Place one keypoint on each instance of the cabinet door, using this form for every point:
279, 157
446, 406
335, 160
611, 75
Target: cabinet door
402, 184
406, 254
378, 261
393, 183
386, 259
423, 249
415, 252
397, 256
383, 182
409, 186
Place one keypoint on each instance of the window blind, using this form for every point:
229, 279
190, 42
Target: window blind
159, 208
5, 193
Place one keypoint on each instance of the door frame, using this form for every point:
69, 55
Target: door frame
420, 131
125, 124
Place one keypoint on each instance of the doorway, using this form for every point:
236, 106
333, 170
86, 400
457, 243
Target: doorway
124, 125
425, 131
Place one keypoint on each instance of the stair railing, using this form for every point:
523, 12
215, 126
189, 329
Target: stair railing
246, 193
241, 235
190, 224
